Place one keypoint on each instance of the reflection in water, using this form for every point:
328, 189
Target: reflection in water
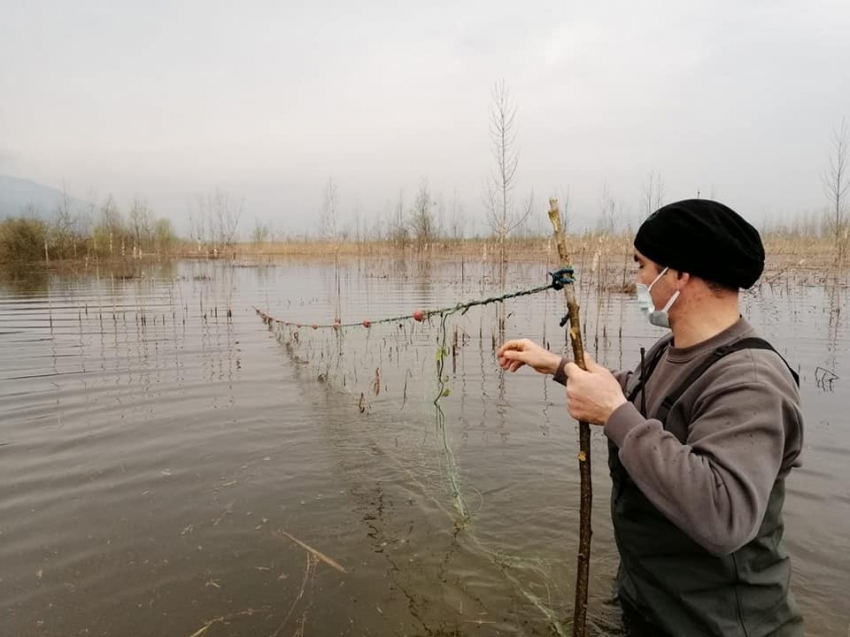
23, 280
159, 451
834, 293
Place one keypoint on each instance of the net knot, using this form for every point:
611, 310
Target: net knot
562, 277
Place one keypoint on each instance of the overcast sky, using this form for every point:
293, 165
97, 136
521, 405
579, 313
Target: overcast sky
267, 100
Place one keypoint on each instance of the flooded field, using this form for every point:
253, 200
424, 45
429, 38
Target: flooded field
169, 465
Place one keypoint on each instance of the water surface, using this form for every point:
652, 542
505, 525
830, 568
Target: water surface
157, 455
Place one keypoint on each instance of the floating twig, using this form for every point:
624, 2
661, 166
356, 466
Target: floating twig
219, 620
315, 552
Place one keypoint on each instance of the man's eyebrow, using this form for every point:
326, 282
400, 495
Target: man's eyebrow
636, 258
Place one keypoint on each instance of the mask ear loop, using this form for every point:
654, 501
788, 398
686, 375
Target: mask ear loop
660, 274
669, 303
675, 295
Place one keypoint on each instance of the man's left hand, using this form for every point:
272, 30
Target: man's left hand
592, 395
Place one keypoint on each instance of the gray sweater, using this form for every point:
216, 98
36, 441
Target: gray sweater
730, 437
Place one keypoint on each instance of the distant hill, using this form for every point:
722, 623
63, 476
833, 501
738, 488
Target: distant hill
16, 194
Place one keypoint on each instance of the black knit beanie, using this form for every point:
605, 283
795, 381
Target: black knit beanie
703, 238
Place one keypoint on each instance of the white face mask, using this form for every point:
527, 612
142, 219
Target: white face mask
659, 318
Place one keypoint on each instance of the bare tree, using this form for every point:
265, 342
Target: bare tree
358, 230
86, 224
399, 232
502, 215
63, 231
440, 217
380, 225
836, 183
522, 227
227, 213
215, 218
458, 223
653, 193
141, 226
330, 227
608, 212
260, 234
163, 237
196, 221
422, 223
112, 224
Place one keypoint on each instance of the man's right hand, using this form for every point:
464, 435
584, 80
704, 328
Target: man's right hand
514, 354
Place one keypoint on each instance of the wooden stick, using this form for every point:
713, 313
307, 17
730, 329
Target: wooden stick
580, 609
315, 552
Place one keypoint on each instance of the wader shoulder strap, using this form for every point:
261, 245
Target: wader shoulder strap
716, 355
646, 372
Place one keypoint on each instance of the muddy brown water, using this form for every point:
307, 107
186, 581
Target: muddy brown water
157, 456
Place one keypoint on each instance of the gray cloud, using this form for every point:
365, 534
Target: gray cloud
268, 100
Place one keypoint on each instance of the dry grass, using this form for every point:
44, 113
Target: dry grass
780, 248
777, 246
604, 262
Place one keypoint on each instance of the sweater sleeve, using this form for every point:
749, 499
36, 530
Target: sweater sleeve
561, 373
715, 487
560, 376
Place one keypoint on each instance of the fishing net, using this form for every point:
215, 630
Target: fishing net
419, 395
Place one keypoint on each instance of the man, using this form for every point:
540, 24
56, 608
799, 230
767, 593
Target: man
701, 437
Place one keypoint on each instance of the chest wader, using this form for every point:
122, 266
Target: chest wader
675, 583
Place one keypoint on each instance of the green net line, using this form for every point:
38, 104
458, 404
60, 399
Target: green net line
418, 315
463, 521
